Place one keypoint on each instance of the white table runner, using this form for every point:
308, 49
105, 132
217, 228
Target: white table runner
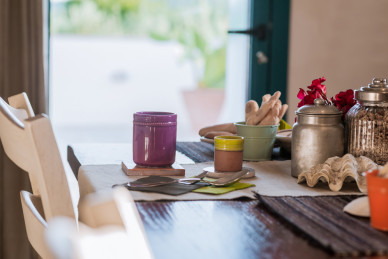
273, 178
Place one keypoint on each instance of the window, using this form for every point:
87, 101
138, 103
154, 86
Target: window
111, 58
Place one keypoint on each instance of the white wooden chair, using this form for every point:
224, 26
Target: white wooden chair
29, 141
113, 229
35, 223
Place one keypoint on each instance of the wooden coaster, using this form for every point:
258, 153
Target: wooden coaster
132, 169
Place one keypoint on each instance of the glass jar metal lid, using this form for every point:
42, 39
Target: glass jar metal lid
319, 108
375, 92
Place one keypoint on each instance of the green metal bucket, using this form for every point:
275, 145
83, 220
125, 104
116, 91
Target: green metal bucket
258, 140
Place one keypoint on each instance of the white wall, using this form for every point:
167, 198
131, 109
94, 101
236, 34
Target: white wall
346, 41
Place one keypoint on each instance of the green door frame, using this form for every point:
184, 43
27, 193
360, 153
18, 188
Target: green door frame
271, 76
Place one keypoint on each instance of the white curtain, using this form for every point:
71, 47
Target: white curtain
21, 70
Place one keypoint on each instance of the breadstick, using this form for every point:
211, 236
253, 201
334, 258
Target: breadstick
266, 106
270, 120
283, 111
276, 109
255, 119
229, 127
272, 117
265, 98
251, 107
252, 119
213, 134
275, 96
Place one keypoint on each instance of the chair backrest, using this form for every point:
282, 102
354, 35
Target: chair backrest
111, 228
30, 143
35, 223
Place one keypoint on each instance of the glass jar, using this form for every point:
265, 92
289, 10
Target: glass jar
367, 122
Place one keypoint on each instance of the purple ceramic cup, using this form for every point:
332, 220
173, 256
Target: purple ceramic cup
154, 138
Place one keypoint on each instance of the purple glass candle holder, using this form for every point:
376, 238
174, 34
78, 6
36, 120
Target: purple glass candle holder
154, 138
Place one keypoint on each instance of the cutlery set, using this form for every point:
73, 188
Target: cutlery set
223, 181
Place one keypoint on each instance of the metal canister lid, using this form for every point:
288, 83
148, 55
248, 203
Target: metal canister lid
375, 92
319, 108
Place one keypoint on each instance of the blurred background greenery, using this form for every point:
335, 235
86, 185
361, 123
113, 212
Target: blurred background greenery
199, 26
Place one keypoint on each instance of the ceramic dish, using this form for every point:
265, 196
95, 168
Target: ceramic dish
283, 139
358, 207
207, 140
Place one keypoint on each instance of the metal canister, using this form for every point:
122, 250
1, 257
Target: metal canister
317, 135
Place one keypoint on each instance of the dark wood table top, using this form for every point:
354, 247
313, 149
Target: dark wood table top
206, 229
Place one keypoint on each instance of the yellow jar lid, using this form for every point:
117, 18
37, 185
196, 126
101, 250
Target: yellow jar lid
229, 143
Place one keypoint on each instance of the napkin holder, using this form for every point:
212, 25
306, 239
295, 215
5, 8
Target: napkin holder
131, 169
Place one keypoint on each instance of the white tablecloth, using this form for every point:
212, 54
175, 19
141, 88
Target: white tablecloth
273, 178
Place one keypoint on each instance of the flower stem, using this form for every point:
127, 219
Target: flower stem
325, 97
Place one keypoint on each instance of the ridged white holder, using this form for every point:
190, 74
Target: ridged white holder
336, 169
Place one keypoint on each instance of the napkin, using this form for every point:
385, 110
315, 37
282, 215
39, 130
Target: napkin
178, 188
170, 189
283, 125
224, 189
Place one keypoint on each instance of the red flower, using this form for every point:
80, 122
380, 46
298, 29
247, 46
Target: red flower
317, 90
301, 94
317, 85
344, 101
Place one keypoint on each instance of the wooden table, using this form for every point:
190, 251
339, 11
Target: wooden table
206, 229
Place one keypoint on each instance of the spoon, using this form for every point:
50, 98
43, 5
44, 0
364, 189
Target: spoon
227, 180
